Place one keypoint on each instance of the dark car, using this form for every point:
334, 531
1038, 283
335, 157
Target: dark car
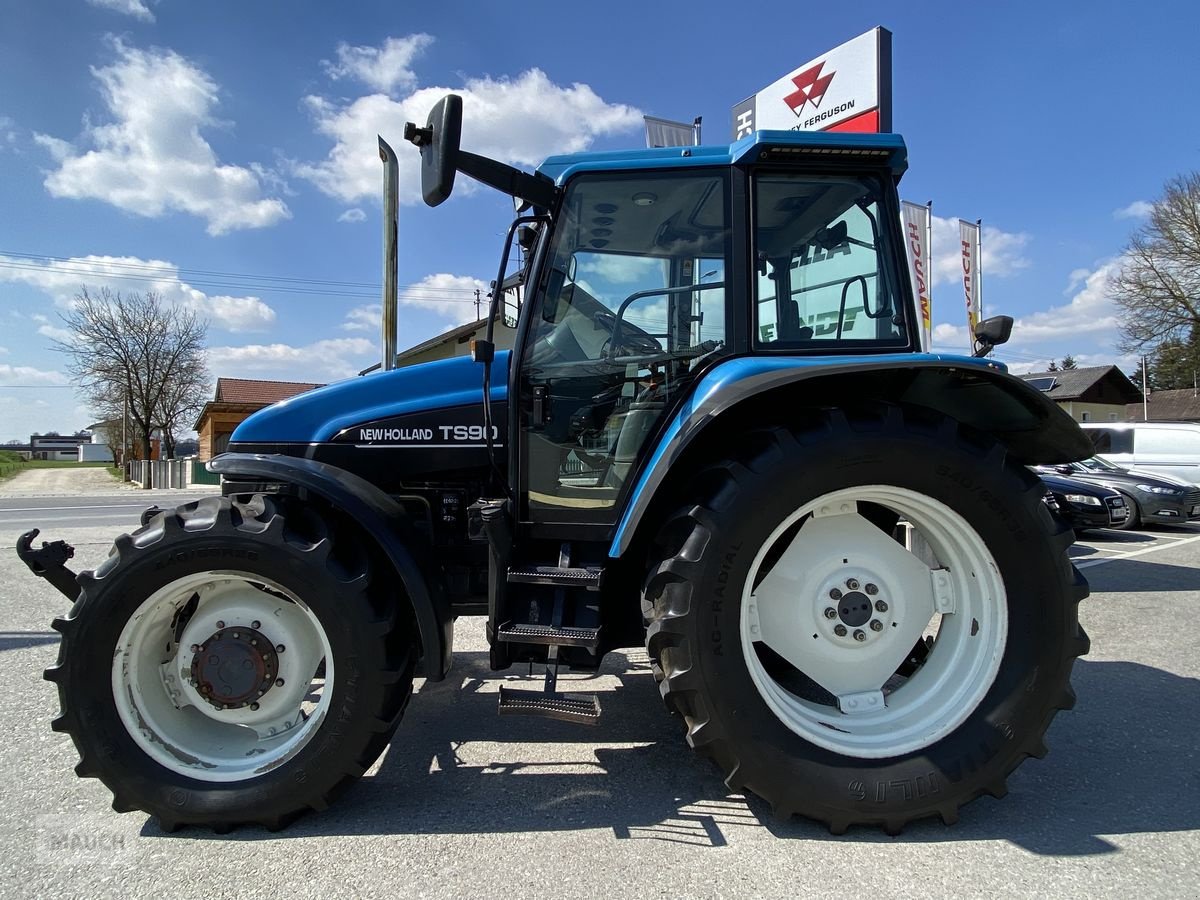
1085, 504
1150, 498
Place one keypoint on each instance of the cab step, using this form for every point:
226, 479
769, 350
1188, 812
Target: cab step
582, 709
557, 576
550, 635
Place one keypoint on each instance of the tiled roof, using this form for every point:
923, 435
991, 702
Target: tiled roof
249, 390
1071, 384
1181, 405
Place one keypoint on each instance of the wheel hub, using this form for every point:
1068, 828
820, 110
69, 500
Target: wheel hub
234, 667
854, 609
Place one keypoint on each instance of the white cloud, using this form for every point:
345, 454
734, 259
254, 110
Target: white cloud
47, 329
1002, 251
620, 269
135, 8
383, 68
323, 360
352, 215
58, 149
363, 318
451, 296
29, 375
519, 120
62, 279
3, 351
151, 159
1138, 209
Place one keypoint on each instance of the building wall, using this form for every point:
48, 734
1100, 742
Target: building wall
216, 429
1095, 412
95, 453
503, 336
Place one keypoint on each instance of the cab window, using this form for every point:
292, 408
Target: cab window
822, 276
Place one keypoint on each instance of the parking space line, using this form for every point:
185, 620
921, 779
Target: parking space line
1142, 552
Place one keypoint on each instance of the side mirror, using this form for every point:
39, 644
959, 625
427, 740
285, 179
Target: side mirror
992, 333
438, 142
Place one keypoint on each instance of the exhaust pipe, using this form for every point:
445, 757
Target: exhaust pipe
390, 252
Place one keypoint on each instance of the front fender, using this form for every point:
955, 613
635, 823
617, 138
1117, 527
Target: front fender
380, 517
755, 390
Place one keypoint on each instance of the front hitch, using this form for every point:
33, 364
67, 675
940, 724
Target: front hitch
49, 562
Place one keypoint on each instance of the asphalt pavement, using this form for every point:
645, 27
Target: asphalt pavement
465, 803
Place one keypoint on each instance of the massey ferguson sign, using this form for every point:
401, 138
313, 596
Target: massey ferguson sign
847, 89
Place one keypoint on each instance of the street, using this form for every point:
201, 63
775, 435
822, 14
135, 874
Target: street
467, 803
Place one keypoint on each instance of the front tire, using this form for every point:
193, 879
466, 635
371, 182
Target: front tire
883, 712
230, 664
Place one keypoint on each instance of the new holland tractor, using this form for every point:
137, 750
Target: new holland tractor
715, 436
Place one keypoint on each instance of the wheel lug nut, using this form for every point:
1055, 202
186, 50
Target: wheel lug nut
256, 624
880, 606
280, 648
872, 589
860, 635
278, 682
253, 707
852, 583
876, 625
220, 623
835, 594
830, 612
839, 630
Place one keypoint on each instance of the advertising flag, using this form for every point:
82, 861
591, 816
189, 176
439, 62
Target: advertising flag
665, 133
968, 235
916, 220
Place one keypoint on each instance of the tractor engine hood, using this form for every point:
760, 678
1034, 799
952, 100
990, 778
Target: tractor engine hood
320, 415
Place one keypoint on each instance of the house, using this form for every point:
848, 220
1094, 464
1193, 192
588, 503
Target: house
1092, 394
1181, 405
62, 447
234, 401
456, 342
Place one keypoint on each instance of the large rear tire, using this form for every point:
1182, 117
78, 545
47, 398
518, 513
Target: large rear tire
230, 664
843, 674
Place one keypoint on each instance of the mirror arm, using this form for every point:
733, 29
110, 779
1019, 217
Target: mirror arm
538, 190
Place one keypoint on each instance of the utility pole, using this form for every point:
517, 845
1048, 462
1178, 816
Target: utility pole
478, 315
1145, 392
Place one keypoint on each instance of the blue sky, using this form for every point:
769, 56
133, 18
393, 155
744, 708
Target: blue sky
223, 153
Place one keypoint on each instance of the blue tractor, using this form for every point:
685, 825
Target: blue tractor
715, 436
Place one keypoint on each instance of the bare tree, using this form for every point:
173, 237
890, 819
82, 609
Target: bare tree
1158, 285
128, 350
182, 399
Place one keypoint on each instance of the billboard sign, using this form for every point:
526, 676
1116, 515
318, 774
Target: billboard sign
847, 89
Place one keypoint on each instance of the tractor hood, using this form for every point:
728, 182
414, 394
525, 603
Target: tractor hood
320, 415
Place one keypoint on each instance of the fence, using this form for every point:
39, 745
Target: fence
160, 473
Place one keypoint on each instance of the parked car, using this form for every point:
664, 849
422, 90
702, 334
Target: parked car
1161, 448
1086, 504
1149, 497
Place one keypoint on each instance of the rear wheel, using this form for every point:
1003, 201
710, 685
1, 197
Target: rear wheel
229, 664
869, 618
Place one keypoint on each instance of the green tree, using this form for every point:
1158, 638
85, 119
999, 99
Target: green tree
1069, 362
1176, 363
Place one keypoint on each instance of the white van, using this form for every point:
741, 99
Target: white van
1157, 447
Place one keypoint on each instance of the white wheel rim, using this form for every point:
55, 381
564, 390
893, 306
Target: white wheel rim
949, 584
164, 709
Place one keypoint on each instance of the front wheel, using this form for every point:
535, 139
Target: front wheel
232, 664
869, 618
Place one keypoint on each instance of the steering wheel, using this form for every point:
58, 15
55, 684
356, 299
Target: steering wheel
634, 341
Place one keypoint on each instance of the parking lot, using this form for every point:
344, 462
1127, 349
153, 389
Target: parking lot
467, 803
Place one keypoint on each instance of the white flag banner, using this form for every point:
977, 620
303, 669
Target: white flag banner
665, 133
915, 220
968, 235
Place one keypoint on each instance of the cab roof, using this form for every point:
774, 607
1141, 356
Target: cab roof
884, 150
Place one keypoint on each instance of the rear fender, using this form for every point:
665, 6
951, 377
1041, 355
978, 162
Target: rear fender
751, 391
380, 517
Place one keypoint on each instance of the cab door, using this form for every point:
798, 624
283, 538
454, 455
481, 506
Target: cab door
632, 304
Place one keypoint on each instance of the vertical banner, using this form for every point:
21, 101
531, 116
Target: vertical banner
916, 220
968, 235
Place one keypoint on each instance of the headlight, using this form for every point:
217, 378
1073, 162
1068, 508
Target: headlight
1170, 492
1085, 499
